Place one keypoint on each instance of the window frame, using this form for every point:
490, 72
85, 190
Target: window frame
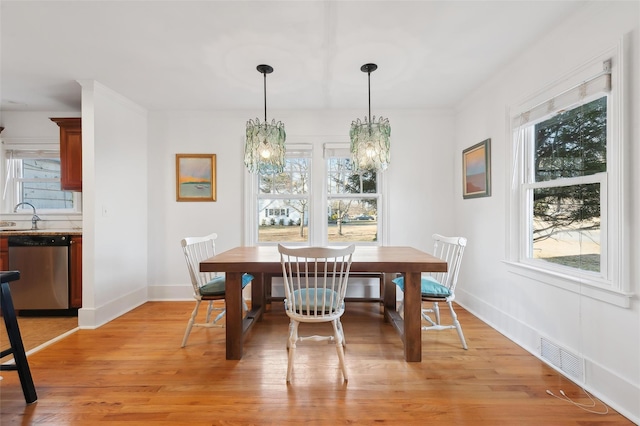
611, 283
341, 150
526, 192
318, 204
12, 184
253, 197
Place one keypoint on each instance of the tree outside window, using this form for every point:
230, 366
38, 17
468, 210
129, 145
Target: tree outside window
569, 163
283, 203
317, 200
352, 203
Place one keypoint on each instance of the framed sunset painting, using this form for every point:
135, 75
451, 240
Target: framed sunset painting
195, 177
476, 170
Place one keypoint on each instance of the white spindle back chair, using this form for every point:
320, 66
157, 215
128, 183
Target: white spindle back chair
438, 287
315, 281
209, 286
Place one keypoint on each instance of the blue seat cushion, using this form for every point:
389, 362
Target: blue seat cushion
315, 299
216, 286
429, 287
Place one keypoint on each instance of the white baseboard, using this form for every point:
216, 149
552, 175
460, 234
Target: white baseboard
90, 318
170, 292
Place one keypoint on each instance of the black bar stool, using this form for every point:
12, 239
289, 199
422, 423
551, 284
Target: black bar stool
17, 348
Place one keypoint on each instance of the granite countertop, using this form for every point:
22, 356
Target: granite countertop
6, 232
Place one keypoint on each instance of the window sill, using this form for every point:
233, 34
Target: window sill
571, 283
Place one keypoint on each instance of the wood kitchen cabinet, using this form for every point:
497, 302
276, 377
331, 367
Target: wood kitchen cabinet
70, 152
4, 254
75, 272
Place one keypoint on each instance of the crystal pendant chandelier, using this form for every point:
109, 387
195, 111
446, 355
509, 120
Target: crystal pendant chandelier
264, 149
370, 147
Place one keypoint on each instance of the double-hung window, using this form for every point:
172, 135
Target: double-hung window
282, 201
565, 187
317, 200
33, 176
352, 199
566, 196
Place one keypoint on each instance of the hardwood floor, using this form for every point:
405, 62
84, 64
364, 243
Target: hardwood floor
36, 331
132, 371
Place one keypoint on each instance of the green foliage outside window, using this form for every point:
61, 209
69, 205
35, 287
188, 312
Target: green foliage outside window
571, 144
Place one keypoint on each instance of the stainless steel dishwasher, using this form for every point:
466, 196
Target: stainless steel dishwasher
43, 262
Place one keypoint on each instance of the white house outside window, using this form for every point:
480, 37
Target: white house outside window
317, 200
283, 201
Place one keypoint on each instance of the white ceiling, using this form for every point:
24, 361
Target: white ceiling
202, 55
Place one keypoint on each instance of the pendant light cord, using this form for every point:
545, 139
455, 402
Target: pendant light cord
265, 97
369, 86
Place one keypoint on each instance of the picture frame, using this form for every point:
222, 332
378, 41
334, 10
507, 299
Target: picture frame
195, 177
476, 170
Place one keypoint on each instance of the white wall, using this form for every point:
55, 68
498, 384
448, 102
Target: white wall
420, 171
115, 208
524, 309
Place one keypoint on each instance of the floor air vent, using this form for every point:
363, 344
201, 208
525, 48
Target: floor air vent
563, 360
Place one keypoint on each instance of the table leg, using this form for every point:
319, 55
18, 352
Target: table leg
234, 315
412, 307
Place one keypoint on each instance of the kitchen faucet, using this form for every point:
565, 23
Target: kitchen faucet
34, 219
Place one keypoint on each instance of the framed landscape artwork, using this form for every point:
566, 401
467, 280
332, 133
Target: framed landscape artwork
476, 170
195, 177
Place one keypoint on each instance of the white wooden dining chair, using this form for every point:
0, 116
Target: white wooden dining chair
315, 281
438, 287
209, 286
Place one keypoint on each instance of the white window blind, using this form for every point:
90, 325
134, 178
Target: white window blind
577, 94
300, 150
336, 150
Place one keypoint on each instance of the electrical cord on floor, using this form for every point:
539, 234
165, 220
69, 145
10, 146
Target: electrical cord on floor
585, 407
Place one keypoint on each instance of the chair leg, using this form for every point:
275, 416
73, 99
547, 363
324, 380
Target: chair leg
209, 310
339, 347
341, 330
424, 312
190, 323
289, 335
436, 311
291, 345
456, 323
219, 317
21, 365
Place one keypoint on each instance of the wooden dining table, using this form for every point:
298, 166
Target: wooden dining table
263, 262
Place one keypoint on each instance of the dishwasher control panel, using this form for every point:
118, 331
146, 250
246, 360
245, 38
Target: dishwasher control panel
38, 240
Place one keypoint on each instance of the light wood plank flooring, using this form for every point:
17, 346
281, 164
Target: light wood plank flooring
36, 331
132, 371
